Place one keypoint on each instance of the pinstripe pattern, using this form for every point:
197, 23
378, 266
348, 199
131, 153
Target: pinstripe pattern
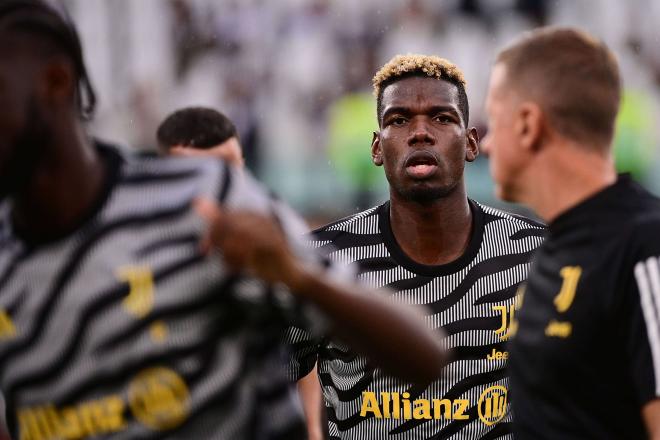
460, 298
77, 345
647, 274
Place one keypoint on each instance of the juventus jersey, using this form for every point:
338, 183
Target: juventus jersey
586, 356
471, 298
123, 329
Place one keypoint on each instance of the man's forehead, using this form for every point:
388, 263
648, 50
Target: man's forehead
420, 90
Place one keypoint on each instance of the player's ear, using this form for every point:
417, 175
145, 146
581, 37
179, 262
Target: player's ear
376, 153
472, 145
58, 81
529, 125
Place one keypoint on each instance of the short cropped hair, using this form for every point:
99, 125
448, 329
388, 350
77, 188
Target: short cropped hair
406, 66
52, 27
197, 127
573, 76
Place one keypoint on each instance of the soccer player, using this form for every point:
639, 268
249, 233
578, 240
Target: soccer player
204, 132
585, 362
114, 321
200, 131
434, 246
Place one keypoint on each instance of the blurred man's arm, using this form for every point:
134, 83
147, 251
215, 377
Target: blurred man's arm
651, 416
312, 401
394, 336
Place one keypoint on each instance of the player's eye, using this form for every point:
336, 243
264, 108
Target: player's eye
443, 119
398, 121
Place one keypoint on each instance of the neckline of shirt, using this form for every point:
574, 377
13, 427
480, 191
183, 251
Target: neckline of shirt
403, 260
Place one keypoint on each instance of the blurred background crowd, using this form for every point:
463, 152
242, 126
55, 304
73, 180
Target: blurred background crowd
295, 77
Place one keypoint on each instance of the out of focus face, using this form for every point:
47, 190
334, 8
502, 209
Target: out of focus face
22, 127
506, 158
423, 143
230, 151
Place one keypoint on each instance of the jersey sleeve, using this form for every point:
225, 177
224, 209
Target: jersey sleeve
303, 352
307, 325
643, 326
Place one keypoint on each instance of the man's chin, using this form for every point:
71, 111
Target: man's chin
424, 194
505, 194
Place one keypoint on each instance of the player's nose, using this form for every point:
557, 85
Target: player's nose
420, 133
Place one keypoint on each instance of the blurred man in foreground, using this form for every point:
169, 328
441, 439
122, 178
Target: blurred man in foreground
585, 362
114, 320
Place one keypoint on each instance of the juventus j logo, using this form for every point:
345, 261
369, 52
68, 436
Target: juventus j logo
507, 312
140, 298
565, 297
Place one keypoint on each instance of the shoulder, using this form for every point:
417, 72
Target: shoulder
644, 227
361, 223
502, 225
197, 176
497, 215
141, 168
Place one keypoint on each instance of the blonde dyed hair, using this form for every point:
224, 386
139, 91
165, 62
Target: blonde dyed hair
432, 66
403, 66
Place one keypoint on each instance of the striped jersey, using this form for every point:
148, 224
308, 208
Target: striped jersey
124, 329
471, 298
586, 357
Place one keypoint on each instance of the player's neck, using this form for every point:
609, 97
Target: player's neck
65, 185
566, 177
434, 233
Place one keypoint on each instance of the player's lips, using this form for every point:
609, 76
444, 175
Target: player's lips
421, 164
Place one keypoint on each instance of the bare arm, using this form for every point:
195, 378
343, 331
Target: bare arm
651, 416
393, 335
312, 401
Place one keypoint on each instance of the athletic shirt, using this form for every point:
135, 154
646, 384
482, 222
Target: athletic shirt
471, 298
123, 329
586, 356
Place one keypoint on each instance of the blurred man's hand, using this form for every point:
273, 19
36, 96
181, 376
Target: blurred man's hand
250, 243
230, 151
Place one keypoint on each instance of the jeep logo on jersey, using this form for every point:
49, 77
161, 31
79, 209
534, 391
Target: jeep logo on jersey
492, 404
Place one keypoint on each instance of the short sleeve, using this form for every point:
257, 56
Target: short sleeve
643, 322
303, 352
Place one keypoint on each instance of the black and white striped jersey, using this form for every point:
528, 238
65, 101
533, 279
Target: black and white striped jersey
123, 329
471, 298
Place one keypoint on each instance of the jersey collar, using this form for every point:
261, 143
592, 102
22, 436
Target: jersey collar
428, 270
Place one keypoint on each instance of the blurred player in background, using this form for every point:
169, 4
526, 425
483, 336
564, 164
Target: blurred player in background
114, 321
200, 131
585, 362
432, 245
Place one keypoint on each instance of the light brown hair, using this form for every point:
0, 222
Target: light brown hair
573, 76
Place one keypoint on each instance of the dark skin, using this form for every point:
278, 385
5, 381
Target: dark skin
60, 169
422, 125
